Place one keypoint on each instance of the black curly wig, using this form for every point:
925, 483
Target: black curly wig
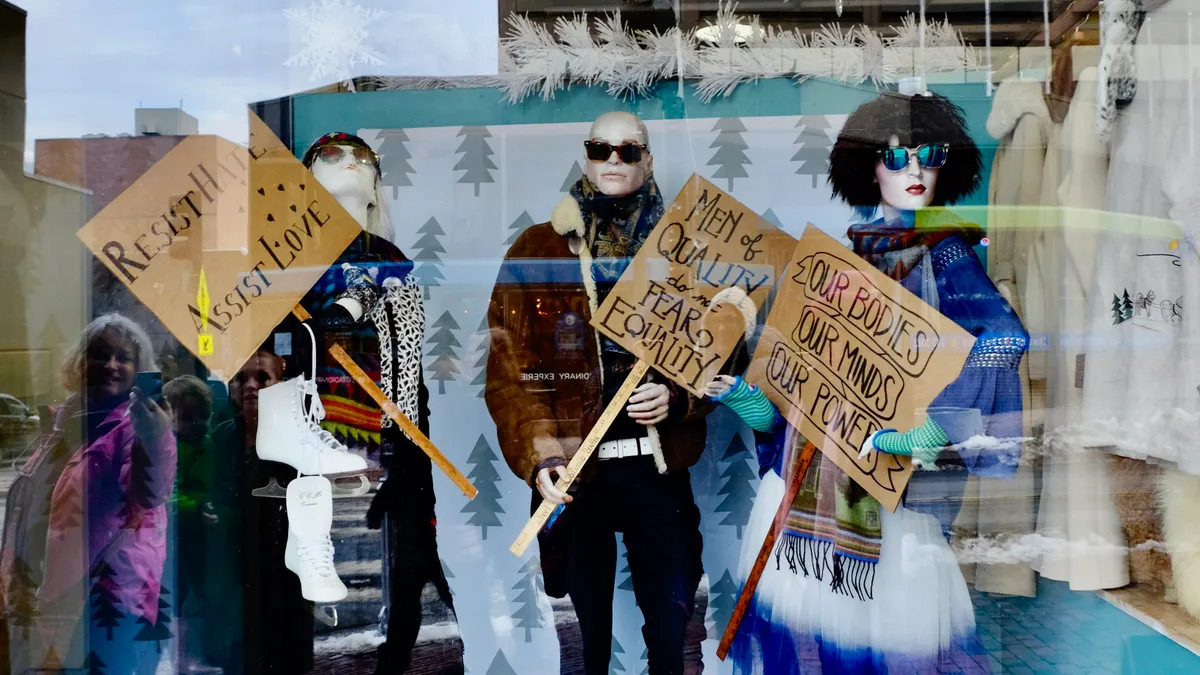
914, 120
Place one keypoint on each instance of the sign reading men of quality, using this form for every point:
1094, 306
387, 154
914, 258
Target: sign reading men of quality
662, 309
848, 351
221, 241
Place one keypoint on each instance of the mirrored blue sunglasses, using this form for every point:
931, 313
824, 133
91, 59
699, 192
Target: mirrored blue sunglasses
930, 156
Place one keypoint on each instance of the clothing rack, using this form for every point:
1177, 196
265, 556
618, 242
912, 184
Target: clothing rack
1074, 15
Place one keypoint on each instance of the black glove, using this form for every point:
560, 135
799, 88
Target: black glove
380, 505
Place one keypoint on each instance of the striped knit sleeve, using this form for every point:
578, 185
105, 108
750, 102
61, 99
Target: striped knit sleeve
923, 443
751, 404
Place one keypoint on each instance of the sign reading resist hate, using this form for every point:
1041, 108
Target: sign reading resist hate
848, 351
252, 220
661, 310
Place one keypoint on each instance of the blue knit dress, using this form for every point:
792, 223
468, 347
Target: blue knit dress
920, 618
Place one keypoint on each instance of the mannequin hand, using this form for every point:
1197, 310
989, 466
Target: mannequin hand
869, 445
150, 421
545, 485
719, 386
649, 404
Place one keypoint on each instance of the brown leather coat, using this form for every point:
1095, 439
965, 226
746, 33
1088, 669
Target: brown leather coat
543, 371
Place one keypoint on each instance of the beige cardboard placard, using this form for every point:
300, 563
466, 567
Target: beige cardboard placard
221, 241
848, 351
662, 308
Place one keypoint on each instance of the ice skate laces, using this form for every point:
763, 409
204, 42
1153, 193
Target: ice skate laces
313, 415
318, 556
326, 443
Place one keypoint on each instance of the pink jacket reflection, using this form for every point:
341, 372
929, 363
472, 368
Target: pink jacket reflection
123, 521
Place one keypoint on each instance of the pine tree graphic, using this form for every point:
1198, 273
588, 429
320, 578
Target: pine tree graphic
614, 662
1117, 312
815, 145
485, 508
429, 262
731, 150
443, 343
573, 177
530, 586
393, 160
518, 228
722, 599
770, 217
484, 346
448, 574
51, 663
477, 157
106, 606
92, 665
22, 597
500, 665
1126, 305
738, 488
156, 630
627, 582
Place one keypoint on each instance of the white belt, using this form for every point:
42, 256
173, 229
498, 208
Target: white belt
625, 447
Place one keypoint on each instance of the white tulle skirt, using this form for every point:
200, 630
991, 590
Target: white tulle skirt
920, 617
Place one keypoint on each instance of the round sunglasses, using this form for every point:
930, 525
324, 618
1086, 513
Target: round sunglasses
332, 154
599, 151
929, 156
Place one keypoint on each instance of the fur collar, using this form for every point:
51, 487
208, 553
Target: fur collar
1013, 100
567, 219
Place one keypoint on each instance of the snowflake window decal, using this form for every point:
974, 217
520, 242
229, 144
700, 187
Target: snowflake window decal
334, 38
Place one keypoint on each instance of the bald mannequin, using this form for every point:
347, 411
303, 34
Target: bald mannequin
612, 177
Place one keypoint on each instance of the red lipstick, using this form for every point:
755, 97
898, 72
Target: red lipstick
916, 189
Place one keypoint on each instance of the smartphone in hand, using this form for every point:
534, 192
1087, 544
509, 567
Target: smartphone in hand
150, 383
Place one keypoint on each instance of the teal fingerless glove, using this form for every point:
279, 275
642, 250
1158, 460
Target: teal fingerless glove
923, 443
750, 403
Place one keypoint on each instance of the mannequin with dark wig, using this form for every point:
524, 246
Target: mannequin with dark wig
865, 590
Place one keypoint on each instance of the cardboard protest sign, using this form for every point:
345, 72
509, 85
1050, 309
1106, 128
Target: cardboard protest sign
221, 241
662, 308
848, 351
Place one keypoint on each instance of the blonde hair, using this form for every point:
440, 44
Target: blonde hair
378, 221
74, 363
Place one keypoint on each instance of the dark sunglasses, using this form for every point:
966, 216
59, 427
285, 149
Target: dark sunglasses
332, 154
599, 151
929, 156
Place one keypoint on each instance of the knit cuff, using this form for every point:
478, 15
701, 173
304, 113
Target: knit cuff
923, 443
546, 464
750, 403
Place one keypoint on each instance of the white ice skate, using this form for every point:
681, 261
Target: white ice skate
309, 550
289, 431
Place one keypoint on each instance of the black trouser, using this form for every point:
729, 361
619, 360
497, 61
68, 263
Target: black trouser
407, 499
661, 524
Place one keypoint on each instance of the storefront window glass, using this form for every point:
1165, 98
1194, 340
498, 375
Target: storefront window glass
655, 337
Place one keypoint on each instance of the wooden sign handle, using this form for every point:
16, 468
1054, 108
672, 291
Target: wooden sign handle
764, 553
581, 456
394, 413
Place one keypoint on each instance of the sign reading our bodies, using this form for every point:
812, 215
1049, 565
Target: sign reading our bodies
221, 241
848, 351
662, 308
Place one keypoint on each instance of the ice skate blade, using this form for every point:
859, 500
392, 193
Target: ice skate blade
345, 492
273, 490
326, 614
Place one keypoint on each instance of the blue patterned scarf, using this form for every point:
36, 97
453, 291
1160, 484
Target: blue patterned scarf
616, 228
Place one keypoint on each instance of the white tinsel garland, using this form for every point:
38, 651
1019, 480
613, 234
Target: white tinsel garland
535, 60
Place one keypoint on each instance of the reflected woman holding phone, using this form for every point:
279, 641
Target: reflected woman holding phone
91, 532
